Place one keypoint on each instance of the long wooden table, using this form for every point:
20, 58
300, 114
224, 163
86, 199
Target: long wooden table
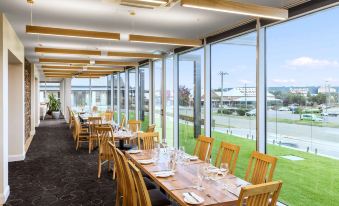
185, 178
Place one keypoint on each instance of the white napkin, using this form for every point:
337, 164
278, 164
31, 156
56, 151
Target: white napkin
195, 199
133, 151
164, 173
147, 161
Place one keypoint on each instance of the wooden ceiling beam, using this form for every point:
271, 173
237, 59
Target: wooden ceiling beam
165, 40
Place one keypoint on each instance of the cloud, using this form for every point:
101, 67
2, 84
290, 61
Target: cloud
330, 79
308, 62
244, 81
284, 81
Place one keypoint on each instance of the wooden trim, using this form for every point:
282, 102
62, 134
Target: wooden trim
89, 68
65, 61
111, 63
238, 8
135, 55
72, 32
67, 51
165, 40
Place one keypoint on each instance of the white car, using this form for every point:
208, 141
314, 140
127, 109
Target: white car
253, 112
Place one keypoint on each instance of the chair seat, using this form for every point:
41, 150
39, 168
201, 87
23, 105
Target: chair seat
149, 184
158, 198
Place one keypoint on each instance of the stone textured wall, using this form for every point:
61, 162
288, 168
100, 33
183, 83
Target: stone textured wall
27, 99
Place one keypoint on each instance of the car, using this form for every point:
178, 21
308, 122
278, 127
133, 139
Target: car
253, 112
311, 117
283, 109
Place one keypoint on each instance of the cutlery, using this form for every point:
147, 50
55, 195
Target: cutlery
193, 197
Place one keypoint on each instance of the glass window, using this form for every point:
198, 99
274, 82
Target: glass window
48, 88
100, 93
122, 94
80, 94
191, 89
144, 95
157, 69
131, 94
233, 95
115, 97
169, 95
303, 107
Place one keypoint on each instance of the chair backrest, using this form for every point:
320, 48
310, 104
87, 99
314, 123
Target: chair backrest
203, 147
140, 186
147, 140
122, 123
77, 126
105, 135
94, 122
227, 153
265, 194
129, 193
69, 115
108, 116
134, 125
260, 168
119, 168
94, 109
151, 128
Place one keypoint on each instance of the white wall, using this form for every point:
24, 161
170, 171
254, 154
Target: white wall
67, 92
8, 42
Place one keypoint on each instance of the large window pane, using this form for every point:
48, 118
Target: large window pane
122, 94
144, 95
80, 94
169, 95
131, 94
157, 69
233, 92
115, 97
49, 88
100, 93
191, 89
303, 114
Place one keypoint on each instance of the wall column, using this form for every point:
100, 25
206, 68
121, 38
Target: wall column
67, 93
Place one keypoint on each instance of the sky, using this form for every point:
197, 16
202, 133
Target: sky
300, 52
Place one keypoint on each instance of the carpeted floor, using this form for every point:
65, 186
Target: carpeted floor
53, 173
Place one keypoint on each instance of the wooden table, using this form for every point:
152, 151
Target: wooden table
122, 137
185, 178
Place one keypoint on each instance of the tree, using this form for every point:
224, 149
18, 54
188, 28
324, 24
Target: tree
184, 96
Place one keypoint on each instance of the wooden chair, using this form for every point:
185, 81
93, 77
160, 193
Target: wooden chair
260, 168
81, 134
128, 191
94, 109
151, 128
122, 123
119, 174
71, 117
265, 194
146, 197
93, 123
105, 135
108, 116
134, 125
203, 147
227, 153
148, 140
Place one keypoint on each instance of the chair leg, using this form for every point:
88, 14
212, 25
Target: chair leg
89, 146
113, 176
99, 167
117, 198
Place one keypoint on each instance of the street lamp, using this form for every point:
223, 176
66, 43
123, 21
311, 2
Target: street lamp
222, 74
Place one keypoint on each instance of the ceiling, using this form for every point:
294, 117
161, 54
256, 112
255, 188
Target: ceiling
105, 15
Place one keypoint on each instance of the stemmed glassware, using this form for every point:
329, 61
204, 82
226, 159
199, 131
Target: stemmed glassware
200, 178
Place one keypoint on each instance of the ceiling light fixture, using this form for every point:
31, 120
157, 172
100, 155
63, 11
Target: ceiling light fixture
72, 32
237, 8
165, 40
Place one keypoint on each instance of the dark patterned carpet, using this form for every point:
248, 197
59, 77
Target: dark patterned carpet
53, 173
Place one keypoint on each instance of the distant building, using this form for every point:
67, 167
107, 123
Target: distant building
301, 91
326, 89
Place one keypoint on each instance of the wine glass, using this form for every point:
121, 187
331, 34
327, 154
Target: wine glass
224, 169
200, 178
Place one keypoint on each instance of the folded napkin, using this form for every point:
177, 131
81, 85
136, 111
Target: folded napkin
133, 151
191, 197
146, 161
164, 173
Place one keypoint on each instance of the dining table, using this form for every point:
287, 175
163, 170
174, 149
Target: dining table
216, 190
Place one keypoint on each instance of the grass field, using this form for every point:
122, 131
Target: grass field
313, 181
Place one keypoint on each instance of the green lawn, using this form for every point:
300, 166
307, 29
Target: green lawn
305, 122
313, 181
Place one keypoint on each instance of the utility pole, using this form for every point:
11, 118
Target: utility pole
246, 96
222, 74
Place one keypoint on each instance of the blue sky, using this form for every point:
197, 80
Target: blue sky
300, 52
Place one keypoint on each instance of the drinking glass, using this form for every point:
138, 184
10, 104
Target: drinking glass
200, 178
224, 169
